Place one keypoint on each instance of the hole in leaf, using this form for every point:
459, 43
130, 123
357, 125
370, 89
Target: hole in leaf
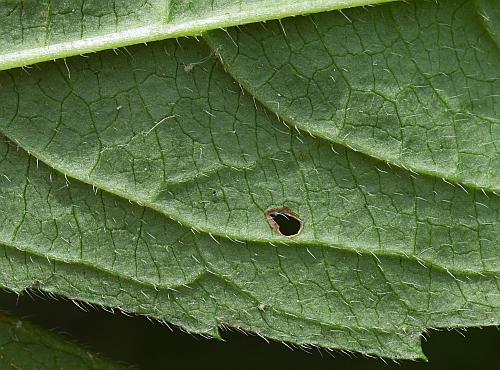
284, 222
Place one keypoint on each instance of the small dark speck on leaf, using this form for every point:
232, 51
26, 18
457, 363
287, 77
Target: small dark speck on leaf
284, 222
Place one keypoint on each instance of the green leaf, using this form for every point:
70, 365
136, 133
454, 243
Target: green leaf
38, 30
24, 346
143, 180
416, 85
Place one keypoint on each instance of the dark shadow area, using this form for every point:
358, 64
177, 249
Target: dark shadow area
151, 345
288, 226
284, 221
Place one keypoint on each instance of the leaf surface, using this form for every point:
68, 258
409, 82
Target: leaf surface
35, 31
414, 84
141, 180
24, 346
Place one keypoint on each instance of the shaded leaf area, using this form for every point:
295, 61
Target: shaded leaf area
39, 30
24, 346
178, 167
414, 84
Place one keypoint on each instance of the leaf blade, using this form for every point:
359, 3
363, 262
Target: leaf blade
146, 188
99, 25
425, 101
104, 250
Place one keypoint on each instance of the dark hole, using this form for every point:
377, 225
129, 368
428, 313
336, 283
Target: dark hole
287, 224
